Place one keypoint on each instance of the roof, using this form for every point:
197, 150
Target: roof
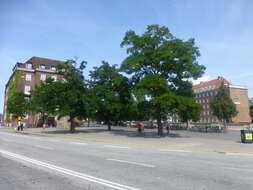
216, 82
46, 61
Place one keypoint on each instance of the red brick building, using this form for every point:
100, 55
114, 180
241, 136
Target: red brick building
238, 93
24, 78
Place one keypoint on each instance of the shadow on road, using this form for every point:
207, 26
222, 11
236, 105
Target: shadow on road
129, 132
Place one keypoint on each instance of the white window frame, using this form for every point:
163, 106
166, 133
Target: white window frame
43, 66
29, 66
43, 77
27, 89
28, 77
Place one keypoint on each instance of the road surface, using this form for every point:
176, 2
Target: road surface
36, 162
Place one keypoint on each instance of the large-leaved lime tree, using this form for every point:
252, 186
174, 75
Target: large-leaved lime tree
160, 66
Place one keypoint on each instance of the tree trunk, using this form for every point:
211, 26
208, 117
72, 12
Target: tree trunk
72, 125
159, 120
187, 124
225, 125
88, 122
109, 126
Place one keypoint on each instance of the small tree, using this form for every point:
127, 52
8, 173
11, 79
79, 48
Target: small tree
222, 106
111, 94
17, 104
66, 97
44, 98
251, 111
188, 109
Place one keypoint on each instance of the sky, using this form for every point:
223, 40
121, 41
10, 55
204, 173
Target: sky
92, 30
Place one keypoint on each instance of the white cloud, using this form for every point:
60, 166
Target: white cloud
201, 79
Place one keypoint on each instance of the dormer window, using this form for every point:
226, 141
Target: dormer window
42, 66
53, 68
29, 66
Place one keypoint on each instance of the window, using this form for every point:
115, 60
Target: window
28, 65
53, 68
42, 66
54, 77
27, 89
28, 77
43, 77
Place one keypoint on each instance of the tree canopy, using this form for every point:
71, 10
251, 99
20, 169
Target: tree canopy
111, 93
251, 111
161, 66
222, 106
17, 104
65, 97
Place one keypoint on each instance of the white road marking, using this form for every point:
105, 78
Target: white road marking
129, 162
238, 154
67, 171
240, 169
52, 140
170, 150
7, 140
43, 147
112, 146
78, 143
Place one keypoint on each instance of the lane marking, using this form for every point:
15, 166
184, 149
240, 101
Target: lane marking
79, 143
7, 140
237, 154
233, 168
113, 146
125, 143
134, 163
68, 172
43, 147
171, 150
51, 140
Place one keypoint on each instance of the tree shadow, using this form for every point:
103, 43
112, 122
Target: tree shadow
118, 131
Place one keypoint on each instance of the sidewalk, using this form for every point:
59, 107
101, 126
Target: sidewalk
177, 140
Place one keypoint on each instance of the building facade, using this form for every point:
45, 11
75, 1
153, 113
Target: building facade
238, 93
24, 78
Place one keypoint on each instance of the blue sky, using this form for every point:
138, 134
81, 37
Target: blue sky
93, 29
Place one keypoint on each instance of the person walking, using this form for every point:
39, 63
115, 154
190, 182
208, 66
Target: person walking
139, 127
21, 126
168, 129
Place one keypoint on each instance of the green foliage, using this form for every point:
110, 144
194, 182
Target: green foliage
17, 104
12, 87
188, 109
222, 106
66, 97
110, 94
160, 66
45, 97
251, 111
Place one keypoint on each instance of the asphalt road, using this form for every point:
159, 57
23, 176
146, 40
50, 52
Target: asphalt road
34, 162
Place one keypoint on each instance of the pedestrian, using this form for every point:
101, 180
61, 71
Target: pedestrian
44, 125
168, 129
138, 127
18, 127
21, 126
